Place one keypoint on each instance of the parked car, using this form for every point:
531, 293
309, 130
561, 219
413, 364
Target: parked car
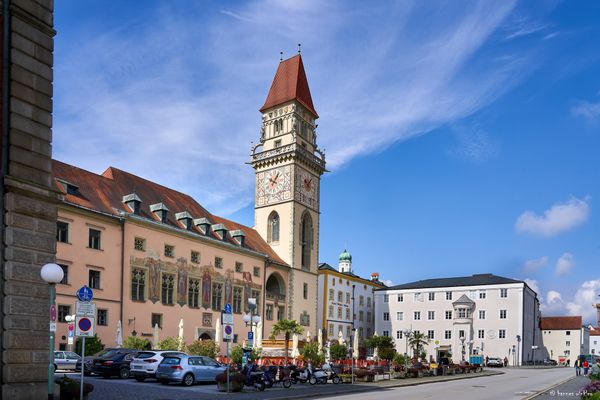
115, 363
88, 361
495, 362
145, 363
65, 360
548, 361
188, 369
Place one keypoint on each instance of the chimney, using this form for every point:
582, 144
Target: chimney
221, 230
134, 202
186, 219
203, 224
161, 211
239, 236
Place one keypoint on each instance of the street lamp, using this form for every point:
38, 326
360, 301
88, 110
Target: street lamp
462, 342
52, 274
251, 317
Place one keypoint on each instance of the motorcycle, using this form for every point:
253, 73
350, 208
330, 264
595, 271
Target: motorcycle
316, 376
298, 375
331, 374
254, 378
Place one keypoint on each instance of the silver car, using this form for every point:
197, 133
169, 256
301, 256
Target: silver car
188, 369
144, 365
65, 360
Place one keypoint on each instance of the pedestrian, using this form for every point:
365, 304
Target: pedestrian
586, 367
577, 367
505, 361
487, 360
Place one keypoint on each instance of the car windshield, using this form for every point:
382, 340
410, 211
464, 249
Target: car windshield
171, 361
145, 354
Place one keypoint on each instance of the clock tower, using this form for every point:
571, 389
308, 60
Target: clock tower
289, 166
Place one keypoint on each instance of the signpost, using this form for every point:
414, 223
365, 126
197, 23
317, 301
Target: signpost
250, 339
85, 322
227, 319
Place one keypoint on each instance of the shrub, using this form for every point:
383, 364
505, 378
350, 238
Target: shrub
338, 351
168, 343
399, 359
310, 352
236, 353
92, 345
137, 343
591, 391
203, 348
361, 373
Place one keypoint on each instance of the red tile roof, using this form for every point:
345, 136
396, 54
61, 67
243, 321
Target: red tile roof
290, 83
104, 193
595, 331
561, 323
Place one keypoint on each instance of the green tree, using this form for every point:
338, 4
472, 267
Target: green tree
417, 341
92, 345
384, 344
203, 348
168, 343
310, 352
288, 327
338, 351
399, 359
237, 352
137, 343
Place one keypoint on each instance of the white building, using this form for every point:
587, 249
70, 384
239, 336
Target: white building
595, 340
346, 300
480, 314
565, 338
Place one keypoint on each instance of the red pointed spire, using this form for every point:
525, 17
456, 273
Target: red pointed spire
290, 83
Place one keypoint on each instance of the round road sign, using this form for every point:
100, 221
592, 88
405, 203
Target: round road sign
71, 327
85, 294
84, 324
228, 330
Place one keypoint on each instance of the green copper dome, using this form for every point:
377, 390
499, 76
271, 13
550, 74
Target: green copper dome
345, 256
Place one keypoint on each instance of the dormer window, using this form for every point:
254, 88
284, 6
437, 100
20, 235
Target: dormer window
239, 236
69, 187
186, 219
220, 230
203, 224
134, 202
161, 211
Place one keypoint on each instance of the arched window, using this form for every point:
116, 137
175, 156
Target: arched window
278, 126
273, 229
306, 240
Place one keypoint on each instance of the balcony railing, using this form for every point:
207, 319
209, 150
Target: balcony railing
289, 148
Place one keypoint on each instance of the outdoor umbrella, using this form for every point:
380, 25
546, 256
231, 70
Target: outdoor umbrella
320, 339
258, 334
341, 337
308, 336
119, 339
218, 332
155, 338
295, 345
375, 352
180, 337
355, 346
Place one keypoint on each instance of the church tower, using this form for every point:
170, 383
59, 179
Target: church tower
288, 167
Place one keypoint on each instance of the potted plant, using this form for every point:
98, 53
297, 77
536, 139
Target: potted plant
236, 381
345, 378
70, 389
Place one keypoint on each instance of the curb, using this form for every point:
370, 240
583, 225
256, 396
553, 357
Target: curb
541, 392
364, 388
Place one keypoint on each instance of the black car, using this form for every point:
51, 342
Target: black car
88, 361
115, 363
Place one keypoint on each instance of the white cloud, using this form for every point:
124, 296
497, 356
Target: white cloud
534, 265
587, 110
564, 264
580, 303
388, 282
559, 218
135, 96
553, 297
475, 146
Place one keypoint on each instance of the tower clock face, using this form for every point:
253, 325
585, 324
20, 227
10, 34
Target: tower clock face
273, 186
307, 189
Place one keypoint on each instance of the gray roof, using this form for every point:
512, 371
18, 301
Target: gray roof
473, 280
463, 300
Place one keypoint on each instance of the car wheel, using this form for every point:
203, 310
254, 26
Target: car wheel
287, 383
336, 380
124, 373
312, 380
188, 380
140, 378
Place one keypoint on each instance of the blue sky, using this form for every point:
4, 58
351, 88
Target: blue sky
462, 137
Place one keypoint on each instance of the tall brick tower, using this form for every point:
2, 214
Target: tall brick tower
28, 217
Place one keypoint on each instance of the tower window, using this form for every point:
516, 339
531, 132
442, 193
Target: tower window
277, 144
306, 240
273, 228
278, 126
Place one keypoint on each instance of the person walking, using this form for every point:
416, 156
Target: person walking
505, 361
577, 365
586, 367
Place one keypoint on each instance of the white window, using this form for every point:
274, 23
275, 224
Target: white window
481, 334
417, 315
502, 334
400, 298
399, 316
398, 334
504, 293
448, 314
386, 316
448, 295
462, 313
431, 296
386, 298
472, 294
418, 296
448, 335
482, 294
386, 333
502, 314
430, 315
568, 343
481, 314
430, 334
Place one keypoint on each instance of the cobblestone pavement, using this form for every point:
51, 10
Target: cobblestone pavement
114, 388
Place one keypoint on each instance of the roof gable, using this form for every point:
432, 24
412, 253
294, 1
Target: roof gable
289, 84
463, 300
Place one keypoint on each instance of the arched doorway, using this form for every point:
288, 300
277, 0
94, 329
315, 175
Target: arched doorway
205, 336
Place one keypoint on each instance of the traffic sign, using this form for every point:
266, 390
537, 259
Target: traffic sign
250, 339
84, 326
52, 326
85, 309
227, 332
85, 294
53, 313
227, 319
71, 328
227, 309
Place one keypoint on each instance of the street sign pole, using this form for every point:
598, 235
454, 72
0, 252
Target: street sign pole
84, 324
82, 367
228, 365
227, 319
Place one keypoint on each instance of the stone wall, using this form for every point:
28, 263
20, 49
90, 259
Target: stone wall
28, 200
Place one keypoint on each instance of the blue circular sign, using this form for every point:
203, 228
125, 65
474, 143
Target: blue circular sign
85, 294
228, 330
84, 324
